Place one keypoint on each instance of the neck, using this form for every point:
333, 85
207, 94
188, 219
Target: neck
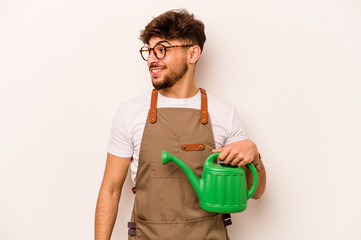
184, 88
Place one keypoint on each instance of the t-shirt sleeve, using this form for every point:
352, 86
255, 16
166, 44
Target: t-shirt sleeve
237, 131
120, 143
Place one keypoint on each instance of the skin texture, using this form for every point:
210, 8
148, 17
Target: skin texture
110, 191
173, 71
175, 80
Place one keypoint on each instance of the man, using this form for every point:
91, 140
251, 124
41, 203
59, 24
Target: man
185, 121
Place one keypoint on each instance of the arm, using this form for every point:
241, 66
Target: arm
261, 173
107, 206
241, 153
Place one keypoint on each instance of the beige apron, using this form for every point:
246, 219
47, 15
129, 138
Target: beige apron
166, 206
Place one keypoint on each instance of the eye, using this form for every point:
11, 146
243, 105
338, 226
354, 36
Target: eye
159, 51
159, 48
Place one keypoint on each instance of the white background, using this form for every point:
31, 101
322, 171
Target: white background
291, 68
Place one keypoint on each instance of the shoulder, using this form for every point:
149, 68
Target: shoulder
218, 107
227, 126
133, 111
134, 105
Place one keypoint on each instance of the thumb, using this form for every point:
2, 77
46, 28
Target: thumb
217, 150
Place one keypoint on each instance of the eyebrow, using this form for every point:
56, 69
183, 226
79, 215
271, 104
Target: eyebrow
163, 41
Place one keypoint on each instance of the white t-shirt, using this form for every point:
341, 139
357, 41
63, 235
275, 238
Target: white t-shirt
129, 122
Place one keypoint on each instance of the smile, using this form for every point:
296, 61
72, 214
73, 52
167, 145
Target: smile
156, 70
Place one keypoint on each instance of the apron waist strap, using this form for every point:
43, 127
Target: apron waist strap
132, 231
227, 219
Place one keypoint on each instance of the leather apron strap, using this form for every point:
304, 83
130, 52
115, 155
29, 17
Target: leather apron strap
204, 107
153, 106
203, 111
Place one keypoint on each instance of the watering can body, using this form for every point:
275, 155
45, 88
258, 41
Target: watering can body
222, 187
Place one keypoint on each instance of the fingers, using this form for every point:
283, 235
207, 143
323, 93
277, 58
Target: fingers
217, 150
244, 161
230, 156
238, 159
249, 159
224, 153
238, 153
233, 158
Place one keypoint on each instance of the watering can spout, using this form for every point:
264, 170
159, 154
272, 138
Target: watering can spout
195, 181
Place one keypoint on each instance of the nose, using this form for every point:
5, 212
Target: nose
152, 58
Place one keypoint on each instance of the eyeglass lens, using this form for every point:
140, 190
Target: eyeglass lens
159, 51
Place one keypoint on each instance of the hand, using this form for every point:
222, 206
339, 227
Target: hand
238, 153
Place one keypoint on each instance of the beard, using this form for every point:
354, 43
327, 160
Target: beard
171, 78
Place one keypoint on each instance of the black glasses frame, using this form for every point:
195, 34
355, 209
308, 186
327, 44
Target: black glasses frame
150, 50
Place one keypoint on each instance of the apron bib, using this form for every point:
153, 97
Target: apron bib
166, 206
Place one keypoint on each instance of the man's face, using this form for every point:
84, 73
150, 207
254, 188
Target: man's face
169, 70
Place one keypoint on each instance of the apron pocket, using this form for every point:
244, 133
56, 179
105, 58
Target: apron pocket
209, 228
170, 170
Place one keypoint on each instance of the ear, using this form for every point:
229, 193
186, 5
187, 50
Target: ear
193, 54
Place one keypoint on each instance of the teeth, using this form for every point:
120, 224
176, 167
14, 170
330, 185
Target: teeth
157, 70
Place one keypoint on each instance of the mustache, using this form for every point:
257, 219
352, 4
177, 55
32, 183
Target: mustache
157, 66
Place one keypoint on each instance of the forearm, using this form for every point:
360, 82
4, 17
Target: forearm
106, 214
261, 174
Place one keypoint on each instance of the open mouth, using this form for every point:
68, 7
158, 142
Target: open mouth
156, 71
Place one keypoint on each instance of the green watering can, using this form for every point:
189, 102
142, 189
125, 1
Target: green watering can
222, 188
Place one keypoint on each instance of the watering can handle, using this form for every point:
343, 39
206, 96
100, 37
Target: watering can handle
251, 191
209, 162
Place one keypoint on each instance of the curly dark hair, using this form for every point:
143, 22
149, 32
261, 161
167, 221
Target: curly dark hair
176, 24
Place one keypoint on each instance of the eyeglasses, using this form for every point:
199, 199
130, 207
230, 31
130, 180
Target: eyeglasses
159, 51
